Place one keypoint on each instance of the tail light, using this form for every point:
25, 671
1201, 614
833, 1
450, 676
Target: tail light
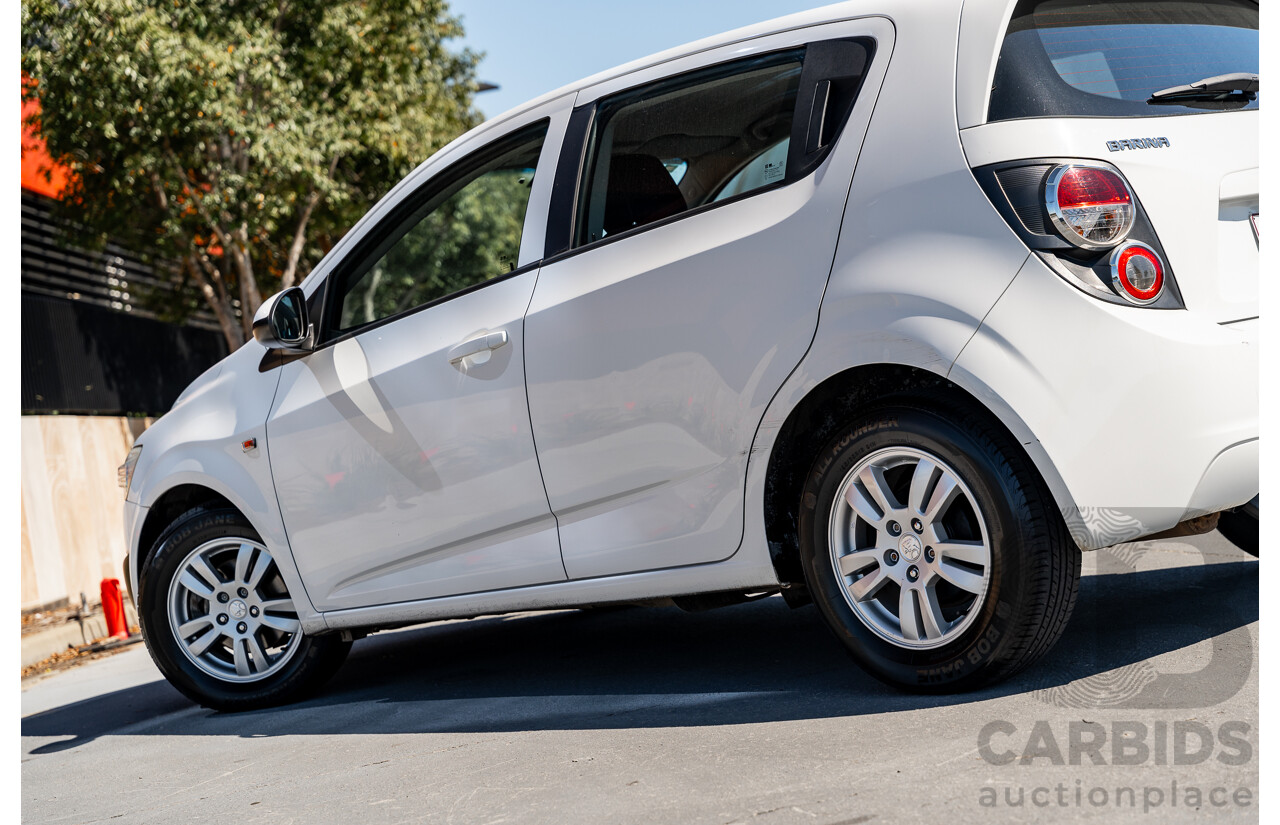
1090, 207
1137, 272
1081, 218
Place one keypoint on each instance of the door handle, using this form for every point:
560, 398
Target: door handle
480, 343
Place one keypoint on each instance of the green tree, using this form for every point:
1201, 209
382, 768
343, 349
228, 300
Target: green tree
240, 138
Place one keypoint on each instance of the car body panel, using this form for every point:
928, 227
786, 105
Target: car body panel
404, 475
201, 442
1132, 416
981, 33
646, 373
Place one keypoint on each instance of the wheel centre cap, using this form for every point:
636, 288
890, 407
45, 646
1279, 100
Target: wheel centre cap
237, 608
909, 546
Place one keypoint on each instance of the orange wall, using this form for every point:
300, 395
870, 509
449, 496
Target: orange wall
36, 160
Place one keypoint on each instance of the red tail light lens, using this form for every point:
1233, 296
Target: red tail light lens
1137, 272
1089, 206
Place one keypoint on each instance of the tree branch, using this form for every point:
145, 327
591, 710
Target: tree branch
300, 232
250, 297
279, 21
221, 309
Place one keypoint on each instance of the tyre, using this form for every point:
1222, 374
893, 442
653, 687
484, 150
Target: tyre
219, 621
1240, 527
933, 551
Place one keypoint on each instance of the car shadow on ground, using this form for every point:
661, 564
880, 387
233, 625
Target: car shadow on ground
662, 667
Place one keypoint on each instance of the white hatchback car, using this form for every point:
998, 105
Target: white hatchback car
893, 306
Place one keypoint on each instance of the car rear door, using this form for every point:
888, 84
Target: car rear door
686, 265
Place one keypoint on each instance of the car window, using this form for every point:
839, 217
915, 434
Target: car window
765, 168
1071, 58
673, 146
676, 168
464, 230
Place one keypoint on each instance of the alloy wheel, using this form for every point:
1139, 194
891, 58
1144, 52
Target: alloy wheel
231, 612
910, 545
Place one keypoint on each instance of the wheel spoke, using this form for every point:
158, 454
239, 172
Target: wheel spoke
195, 585
862, 504
200, 645
943, 494
974, 552
931, 614
260, 566
867, 586
258, 656
908, 619
243, 557
281, 623
920, 481
858, 560
201, 567
241, 651
960, 577
872, 478
198, 623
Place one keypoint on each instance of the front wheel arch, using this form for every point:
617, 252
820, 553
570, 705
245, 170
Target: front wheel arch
167, 509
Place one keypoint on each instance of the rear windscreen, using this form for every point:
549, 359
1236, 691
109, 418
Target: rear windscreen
1065, 58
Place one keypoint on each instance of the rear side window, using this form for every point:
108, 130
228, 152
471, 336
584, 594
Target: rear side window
1068, 58
675, 146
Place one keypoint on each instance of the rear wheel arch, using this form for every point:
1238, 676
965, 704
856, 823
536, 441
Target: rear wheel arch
826, 409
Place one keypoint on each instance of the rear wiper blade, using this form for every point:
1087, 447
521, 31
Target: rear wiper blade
1220, 87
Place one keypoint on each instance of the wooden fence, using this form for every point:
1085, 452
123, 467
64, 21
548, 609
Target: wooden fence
72, 525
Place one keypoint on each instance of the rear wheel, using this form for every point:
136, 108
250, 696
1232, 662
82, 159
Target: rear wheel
932, 550
219, 619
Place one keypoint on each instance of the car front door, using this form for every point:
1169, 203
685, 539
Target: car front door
687, 285
401, 448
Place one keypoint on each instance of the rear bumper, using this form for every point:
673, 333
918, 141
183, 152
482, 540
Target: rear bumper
1138, 419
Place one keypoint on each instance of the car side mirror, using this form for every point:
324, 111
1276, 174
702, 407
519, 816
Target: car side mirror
281, 322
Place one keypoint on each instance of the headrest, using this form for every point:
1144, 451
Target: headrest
641, 191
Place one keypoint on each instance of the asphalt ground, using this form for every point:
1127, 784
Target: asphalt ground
1146, 711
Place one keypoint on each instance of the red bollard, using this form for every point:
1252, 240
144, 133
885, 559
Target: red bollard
113, 607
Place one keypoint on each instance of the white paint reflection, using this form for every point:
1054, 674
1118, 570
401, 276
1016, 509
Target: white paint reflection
352, 368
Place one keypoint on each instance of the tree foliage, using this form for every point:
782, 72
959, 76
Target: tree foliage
240, 138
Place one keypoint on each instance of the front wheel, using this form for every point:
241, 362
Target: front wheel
933, 551
220, 622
